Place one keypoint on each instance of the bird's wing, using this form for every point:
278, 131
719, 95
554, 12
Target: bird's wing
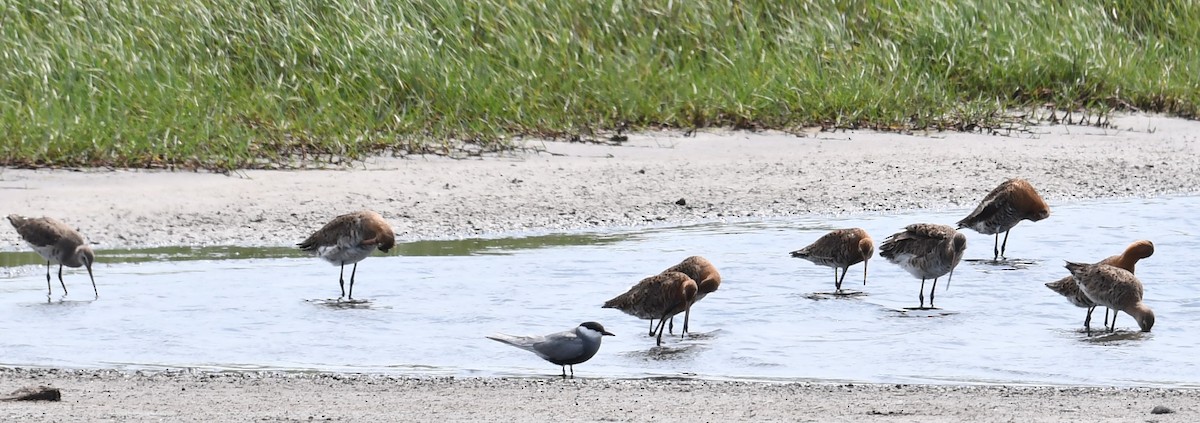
559, 346
329, 234
523, 342
43, 232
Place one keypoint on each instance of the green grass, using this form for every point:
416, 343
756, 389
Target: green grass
237, 84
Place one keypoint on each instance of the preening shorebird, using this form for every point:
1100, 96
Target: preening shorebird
658, 297
707, 278
1127, 260
1008, 204
57, 243
348, 239
927, 251
566, 348
840, 248
1115, 288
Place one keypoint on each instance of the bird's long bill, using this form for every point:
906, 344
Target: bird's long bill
949, 278
608, 333
93, 278
865, 272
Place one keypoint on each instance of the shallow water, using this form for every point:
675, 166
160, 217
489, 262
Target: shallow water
431, 306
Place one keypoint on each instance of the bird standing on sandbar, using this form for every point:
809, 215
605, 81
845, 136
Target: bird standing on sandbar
840, 248
57, 243
658, 297
707, 278
1115, 288
1127, 260
348, 239
1010, 203
927, 251
566, 348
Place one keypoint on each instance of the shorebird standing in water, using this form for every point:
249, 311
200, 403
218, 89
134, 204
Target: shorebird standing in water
1010, 203
1127, 260
708, 280
658, 297
566, 348
348, 239
1115, 288
840, 248
57, 243
927, 251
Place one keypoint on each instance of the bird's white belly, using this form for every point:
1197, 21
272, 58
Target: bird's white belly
341, 254
47, 252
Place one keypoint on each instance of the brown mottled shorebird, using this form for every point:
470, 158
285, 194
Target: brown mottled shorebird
1010, 203
927, 251
658, 297
840, 248
1127, 260
57, 243
1115, 288
566, 348
348, 239
707, 278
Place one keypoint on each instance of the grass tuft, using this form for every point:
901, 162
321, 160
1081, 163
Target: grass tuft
245, 84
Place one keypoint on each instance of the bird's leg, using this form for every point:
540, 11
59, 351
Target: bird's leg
661, 325
572, 371
931, 290
564, 374
64, 284
671, 326
921, 295
996, 247
1106, 309
49, 291
1087, 321
1005, 244
652, 325
1113, 328
837, 283
687, 312
352, 271
342, 280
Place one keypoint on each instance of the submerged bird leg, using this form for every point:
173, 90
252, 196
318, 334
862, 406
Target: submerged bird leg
49, 291
921, 295
1005, 244
931, 290
1087, 321
342, 280
64, 284
352, 271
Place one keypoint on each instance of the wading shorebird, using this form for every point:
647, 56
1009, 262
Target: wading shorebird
1010, 203
57, 243
1127, 260
707, 278
840, 248
348, 239
1115, 288
927, 251
566, 348
658, 297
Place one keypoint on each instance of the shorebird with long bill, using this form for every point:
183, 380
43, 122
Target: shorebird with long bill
1127, 260
348, 239
58, 244
840, 249
658, 297
1008, 204
926, 251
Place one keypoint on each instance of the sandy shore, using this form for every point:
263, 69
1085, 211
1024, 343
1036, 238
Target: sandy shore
570, 186
185, 396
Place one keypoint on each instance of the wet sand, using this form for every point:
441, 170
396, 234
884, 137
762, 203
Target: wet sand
719, 175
